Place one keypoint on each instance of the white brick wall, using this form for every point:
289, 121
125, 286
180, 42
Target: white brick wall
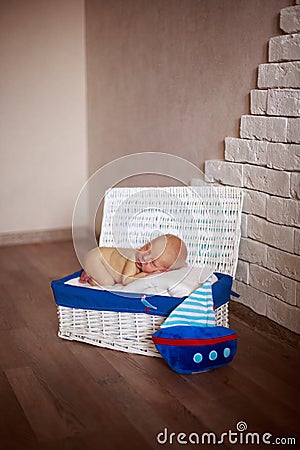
253, 251
258, 101
269, 233
274, 129
271, 258
283, 102
284, 314
224, 172
264, 128
276, 75
275, 102
283, 211
284, 48
267, 180
265, 162
283, 156
255, 202
251, 297
244, 225
242, 271
297, 244
263, 153
245, 150
295, 185
271, 283
290, 19
283, 263
293, 130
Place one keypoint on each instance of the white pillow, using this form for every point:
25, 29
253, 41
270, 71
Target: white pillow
175, 283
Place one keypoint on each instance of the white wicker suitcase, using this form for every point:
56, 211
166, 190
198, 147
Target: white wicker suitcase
207, 218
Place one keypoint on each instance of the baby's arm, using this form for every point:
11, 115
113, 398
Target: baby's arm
129, 279
131, 273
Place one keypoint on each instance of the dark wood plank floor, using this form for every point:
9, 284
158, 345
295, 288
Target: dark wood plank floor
57, 394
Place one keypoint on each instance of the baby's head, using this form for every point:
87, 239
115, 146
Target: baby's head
164, 253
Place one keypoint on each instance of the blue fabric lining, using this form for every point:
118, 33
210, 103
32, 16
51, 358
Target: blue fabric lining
83, 298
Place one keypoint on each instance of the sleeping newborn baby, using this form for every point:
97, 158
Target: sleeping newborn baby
106, 266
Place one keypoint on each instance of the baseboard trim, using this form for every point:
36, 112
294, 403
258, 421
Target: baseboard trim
34, 237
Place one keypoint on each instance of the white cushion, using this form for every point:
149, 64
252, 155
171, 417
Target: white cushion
175, 283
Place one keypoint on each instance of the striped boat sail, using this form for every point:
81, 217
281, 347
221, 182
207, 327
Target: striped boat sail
196, 310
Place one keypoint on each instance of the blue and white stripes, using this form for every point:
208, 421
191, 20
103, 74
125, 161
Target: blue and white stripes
196, 310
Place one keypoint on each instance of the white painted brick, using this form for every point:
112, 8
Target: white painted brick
293, 130
224, 172
284, 314
244, 225
295, 186
283, 156
242, 271
252, 251
298, 294
273, 283
264, 128
258, 101
284, 48
267, 180
297, 242
272, 234
253, 298
283, 263
290, 19
283, 211
276, 75
283, 102
275, 102
255, 203
271, 154
246, 150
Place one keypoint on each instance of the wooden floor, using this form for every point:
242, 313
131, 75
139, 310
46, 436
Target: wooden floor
62, 395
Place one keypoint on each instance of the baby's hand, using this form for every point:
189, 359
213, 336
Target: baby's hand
126, 279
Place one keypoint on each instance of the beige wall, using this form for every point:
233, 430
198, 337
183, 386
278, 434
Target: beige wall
43, 113
172, 75
162, 75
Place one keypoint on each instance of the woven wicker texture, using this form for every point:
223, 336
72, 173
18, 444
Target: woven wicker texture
127, 332
206, 218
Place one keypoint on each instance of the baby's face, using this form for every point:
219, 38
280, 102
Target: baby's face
156, 256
